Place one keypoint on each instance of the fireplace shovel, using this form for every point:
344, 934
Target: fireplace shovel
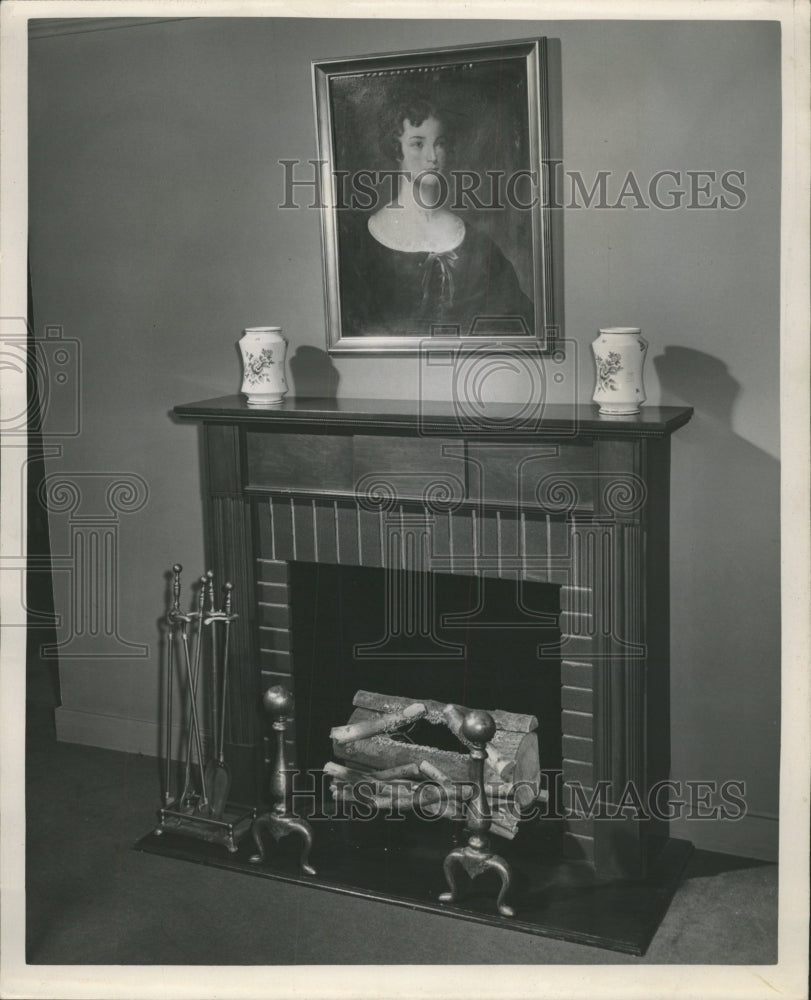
220, 781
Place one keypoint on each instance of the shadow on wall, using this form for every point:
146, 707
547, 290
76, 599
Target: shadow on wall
698, 379
313, 373
725, 556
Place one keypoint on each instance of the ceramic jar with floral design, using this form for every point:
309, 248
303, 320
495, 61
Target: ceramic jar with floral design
263, 350
619, 355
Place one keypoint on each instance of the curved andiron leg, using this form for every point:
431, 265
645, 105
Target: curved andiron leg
476, 857
474, 864
278, 827
280, 820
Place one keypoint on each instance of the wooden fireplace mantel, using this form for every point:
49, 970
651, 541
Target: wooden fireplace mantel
561, 495
415, 416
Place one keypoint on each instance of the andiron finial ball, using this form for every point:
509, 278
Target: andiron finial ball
478, 727
278, 701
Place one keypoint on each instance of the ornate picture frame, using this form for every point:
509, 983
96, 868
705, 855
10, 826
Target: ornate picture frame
436, 231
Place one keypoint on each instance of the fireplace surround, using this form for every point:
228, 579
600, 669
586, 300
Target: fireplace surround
569, 502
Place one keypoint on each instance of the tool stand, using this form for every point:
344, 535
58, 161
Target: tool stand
201, 809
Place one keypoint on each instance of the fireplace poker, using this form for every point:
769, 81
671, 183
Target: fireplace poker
171, 619
221, 782
211, 619
194, 725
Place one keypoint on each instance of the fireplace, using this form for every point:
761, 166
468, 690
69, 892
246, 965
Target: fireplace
403, 547
355, 628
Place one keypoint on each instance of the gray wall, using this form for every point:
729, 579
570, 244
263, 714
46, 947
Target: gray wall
155, 238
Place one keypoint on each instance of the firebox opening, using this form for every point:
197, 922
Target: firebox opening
468, 640
425, 734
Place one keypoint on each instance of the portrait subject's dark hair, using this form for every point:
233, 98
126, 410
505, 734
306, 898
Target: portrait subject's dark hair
415, 108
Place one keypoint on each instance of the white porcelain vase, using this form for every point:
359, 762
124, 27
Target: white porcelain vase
263, 350
619, 356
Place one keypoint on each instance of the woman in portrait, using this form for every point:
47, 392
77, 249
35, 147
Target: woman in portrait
414, 266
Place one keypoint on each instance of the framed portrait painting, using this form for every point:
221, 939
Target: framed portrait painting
434, 200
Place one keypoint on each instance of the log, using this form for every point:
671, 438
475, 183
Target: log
436, 774
431, 800
512, 759
349, 777
368, 753
346, 774
435, 710
403, 771
430, 797
369, 745
403, 798
453, 717
381, 751
385, 723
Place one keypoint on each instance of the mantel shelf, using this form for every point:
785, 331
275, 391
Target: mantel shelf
432, 416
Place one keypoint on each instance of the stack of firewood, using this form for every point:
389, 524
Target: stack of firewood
379, 767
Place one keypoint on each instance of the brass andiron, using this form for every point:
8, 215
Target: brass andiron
279, 821
478, 728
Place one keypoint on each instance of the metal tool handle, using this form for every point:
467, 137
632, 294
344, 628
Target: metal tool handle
193, 672
177, 569
215, 677
227, 608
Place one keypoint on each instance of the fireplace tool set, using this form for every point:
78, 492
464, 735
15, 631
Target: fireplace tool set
201, 809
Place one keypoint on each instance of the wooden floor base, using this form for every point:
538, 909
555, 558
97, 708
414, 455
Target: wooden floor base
396, 863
